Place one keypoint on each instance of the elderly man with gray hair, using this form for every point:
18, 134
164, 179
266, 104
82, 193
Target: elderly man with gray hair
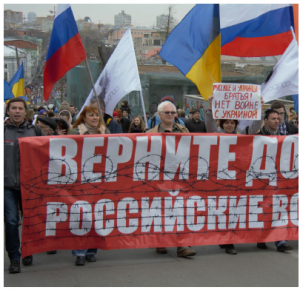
166, 111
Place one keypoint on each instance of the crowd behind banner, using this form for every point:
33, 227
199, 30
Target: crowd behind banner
147, 190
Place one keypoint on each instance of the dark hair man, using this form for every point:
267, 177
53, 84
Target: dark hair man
272, 121
284, 127
195, 124
167, 111
15, 127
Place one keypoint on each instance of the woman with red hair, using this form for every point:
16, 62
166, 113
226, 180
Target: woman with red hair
89, 122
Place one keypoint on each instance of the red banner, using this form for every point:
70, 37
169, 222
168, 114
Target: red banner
156, 190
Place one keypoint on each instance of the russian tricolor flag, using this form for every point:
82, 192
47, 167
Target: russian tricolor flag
65, 49
249, 30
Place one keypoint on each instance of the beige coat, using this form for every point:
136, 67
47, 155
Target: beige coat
180, 127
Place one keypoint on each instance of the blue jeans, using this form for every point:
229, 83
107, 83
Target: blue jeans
85, 252
11, 219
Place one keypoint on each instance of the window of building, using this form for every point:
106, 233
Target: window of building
5, 65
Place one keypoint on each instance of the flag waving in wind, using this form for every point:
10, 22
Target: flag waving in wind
119, 77
255, 30
283, 80
65, 48
7, 92
17, 82
194, 47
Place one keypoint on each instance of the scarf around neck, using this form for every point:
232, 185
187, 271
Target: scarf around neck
266, 131
91, 130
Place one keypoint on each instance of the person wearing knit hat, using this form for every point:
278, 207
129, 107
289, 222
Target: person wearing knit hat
47, 125
64, 111
117, 118
155, 120
123, 122
167, 98
115, 114
42, 112
64, 106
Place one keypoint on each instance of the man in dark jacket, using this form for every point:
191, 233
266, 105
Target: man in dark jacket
16, 126
272, 121
284, 127
110, 123
195, 124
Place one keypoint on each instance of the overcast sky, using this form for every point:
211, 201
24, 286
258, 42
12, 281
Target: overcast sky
141, 14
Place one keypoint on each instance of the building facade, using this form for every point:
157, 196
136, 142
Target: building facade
122, 19
32, 17
29, 47
11, 60
13, 16
115, 35
162, 21
46, 23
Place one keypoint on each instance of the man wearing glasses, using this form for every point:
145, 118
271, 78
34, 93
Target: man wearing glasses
166, 111
284, 127
155, 120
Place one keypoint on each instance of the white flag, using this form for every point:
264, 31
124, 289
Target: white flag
119, 77
284, 79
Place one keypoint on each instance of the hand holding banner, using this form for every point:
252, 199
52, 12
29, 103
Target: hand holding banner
236, 101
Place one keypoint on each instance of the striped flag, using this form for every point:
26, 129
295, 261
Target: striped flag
17, 82
65, 49
255, 30
194, 47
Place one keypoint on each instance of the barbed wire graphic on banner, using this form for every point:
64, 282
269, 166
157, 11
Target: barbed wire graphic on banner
158, 208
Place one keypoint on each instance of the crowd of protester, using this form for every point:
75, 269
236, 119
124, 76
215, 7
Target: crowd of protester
21, 121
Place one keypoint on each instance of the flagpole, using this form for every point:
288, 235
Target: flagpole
141, 94
89, 71
293, 33
143, 105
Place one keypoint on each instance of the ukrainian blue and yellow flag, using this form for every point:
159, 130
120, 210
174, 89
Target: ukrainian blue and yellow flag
17, 82
7, 92
194, 47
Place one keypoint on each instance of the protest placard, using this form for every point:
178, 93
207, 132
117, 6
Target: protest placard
236, 101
